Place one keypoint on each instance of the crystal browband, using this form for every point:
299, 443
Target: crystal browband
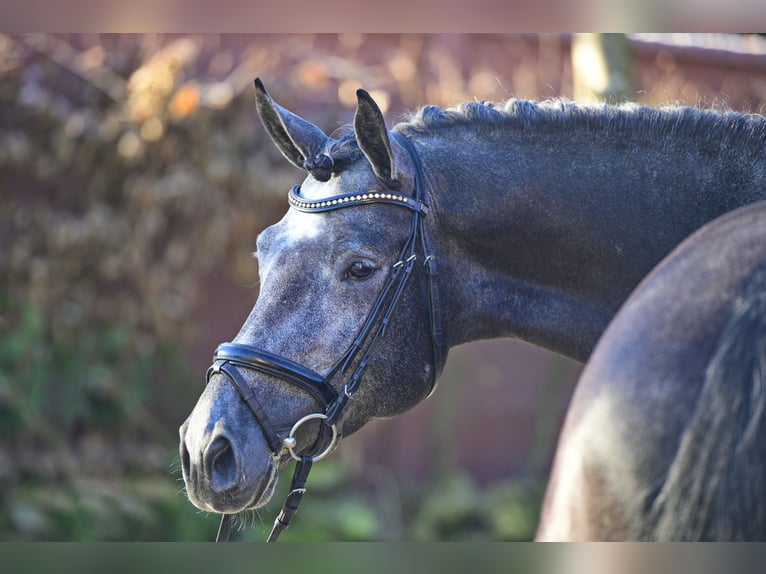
351, 199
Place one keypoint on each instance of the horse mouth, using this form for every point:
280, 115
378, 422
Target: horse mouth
241, 497
264, 490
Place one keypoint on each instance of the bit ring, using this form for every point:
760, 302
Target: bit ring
290, 442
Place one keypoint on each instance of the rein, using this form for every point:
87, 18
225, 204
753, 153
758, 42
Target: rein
230, 357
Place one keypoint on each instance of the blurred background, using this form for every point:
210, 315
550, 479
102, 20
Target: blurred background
134, 179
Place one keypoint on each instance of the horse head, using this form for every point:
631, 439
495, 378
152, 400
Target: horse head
328, 311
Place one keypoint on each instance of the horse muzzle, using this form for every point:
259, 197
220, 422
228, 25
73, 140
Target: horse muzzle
225, 474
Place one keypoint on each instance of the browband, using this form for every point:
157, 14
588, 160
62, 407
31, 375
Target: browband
350, 199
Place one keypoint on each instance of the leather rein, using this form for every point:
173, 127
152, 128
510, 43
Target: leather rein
230, 357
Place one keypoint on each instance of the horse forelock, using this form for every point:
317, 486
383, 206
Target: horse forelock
343, 148
559, 114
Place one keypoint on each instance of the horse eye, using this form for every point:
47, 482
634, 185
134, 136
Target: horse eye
359, 270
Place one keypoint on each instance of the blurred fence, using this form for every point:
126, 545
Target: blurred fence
134, 178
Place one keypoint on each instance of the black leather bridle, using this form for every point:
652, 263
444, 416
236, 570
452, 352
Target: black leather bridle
230, 357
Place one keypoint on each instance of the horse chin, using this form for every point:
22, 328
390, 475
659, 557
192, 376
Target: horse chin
246, 495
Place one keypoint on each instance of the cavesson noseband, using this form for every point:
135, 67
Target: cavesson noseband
230, 357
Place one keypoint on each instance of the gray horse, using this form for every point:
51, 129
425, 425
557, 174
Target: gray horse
542, 218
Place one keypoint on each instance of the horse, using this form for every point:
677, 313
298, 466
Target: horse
665, 436
532, 220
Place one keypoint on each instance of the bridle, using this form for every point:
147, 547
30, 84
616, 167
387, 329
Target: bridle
230, 357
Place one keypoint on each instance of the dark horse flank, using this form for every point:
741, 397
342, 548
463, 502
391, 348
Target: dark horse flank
665, 438
526, 220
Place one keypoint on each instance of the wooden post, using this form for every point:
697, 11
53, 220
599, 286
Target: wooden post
602, 68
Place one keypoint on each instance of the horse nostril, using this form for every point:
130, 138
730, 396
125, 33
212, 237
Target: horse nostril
221, 464
185, 460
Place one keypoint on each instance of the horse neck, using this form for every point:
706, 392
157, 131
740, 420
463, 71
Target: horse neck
543, 237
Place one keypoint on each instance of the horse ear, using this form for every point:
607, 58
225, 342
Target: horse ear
372, 137
297, 139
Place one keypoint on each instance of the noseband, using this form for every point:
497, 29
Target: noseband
230, 357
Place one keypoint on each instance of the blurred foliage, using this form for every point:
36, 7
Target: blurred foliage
133, 180
116, 206
114, 209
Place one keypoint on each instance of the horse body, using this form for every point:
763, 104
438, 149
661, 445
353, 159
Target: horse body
542, 218
665, 438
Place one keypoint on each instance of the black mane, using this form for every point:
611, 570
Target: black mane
553, 115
